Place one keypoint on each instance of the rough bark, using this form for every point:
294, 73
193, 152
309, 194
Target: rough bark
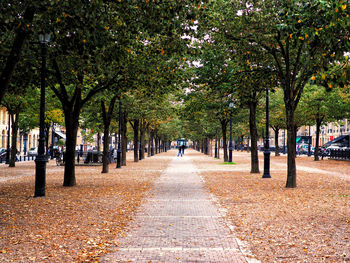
276, 130
72, 124
317, 146
149, 142
254, 138
124, 136
135, 127
224, 132
47, 133
14, 126
219, 148
142, 138
291, 145
156, 143
152, 142
107, 118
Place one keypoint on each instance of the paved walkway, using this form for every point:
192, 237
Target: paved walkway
179, 223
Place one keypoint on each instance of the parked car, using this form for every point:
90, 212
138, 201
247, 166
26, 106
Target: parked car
33, 151
335, 147
305, 149
3, 155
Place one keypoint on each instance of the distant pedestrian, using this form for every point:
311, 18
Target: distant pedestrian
180, 151
183, 149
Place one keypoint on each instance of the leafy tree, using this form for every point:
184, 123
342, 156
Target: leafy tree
16, 23
301, 39
322, 106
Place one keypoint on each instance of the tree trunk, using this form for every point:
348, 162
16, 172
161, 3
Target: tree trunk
107, 118
124, 136
105, 159
219, 148
149, 142
14, 120
291, 145
136, 139
72, 124
317, 146
142, 138
277, 150
47, 133
224, 140
152, 143
156, 143
98, 141
254, 139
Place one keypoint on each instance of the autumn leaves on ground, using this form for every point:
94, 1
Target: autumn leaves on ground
74, 224
310, 223
78, 224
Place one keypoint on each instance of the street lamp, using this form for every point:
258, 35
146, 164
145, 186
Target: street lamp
231, 106
267, 141
40, 161
119, 150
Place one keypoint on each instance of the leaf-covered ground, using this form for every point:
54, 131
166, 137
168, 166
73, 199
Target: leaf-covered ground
310, 223
70, 224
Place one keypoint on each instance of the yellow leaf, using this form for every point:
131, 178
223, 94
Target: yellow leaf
343, 7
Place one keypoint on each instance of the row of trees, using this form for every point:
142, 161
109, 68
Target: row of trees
204, 54
100, 52
246, 47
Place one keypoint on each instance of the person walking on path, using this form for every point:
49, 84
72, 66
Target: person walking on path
180, 151
183, 149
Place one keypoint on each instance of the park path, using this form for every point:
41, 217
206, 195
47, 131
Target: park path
179, 223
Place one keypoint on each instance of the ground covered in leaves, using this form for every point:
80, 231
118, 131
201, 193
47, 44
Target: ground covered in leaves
70, 224
310, 223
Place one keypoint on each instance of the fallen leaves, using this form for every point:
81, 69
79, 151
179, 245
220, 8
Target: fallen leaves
75, 224
308, 224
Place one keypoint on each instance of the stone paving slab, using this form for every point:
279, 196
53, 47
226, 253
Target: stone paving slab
179, 223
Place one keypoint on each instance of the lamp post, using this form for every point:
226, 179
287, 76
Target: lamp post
267, 141
40, 161
119, 150
309, 144
231, 105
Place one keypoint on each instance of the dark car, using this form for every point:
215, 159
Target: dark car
3, 155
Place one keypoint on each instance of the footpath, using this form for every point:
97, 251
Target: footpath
179, 223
